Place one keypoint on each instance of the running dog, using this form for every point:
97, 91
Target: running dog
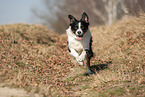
80, 40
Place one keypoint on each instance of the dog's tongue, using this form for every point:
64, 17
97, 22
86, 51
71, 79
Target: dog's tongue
79, 38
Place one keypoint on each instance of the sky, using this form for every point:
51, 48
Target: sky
17, 11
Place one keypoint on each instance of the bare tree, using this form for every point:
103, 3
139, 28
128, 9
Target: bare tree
99, 11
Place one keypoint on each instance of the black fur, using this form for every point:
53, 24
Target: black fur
91, 51
68, 47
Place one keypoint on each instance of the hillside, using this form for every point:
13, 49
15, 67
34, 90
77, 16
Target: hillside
37, 60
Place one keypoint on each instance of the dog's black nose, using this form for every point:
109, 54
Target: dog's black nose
79, 32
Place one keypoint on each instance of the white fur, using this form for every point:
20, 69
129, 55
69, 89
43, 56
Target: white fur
79, 29
77, 47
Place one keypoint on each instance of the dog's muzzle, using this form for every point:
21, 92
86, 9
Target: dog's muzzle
79, 35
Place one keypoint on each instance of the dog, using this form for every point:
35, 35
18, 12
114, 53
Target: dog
80, 40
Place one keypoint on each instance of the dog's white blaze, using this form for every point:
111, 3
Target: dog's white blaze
79, 24
79, 29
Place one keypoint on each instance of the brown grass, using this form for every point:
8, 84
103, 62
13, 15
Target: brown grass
36, 59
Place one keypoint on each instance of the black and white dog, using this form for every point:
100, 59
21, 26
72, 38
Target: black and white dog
80, 40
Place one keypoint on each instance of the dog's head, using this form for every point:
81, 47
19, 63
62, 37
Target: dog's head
79, 27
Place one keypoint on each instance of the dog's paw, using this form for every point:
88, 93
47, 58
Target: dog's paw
81, 63
89, 73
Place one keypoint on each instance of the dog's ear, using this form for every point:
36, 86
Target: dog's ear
85, 17
72, 19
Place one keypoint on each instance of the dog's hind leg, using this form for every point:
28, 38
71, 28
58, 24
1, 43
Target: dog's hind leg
88, 58
88, 64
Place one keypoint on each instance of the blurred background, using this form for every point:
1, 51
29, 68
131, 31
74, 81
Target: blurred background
53, 13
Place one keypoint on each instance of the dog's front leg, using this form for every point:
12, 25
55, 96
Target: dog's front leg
82, 57
74, 54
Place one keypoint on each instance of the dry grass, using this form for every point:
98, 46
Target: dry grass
34, 58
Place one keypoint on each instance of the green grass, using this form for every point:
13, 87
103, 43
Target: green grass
37, 60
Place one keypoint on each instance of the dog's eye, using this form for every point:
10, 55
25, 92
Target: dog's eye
82, 27
76, 27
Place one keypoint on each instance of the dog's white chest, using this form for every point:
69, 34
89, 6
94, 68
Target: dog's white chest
75, 44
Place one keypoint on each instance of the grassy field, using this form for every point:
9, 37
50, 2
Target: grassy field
37, 60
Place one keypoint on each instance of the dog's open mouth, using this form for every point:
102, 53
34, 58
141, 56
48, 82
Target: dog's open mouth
79, 37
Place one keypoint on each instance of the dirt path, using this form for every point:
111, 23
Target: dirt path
9, 92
